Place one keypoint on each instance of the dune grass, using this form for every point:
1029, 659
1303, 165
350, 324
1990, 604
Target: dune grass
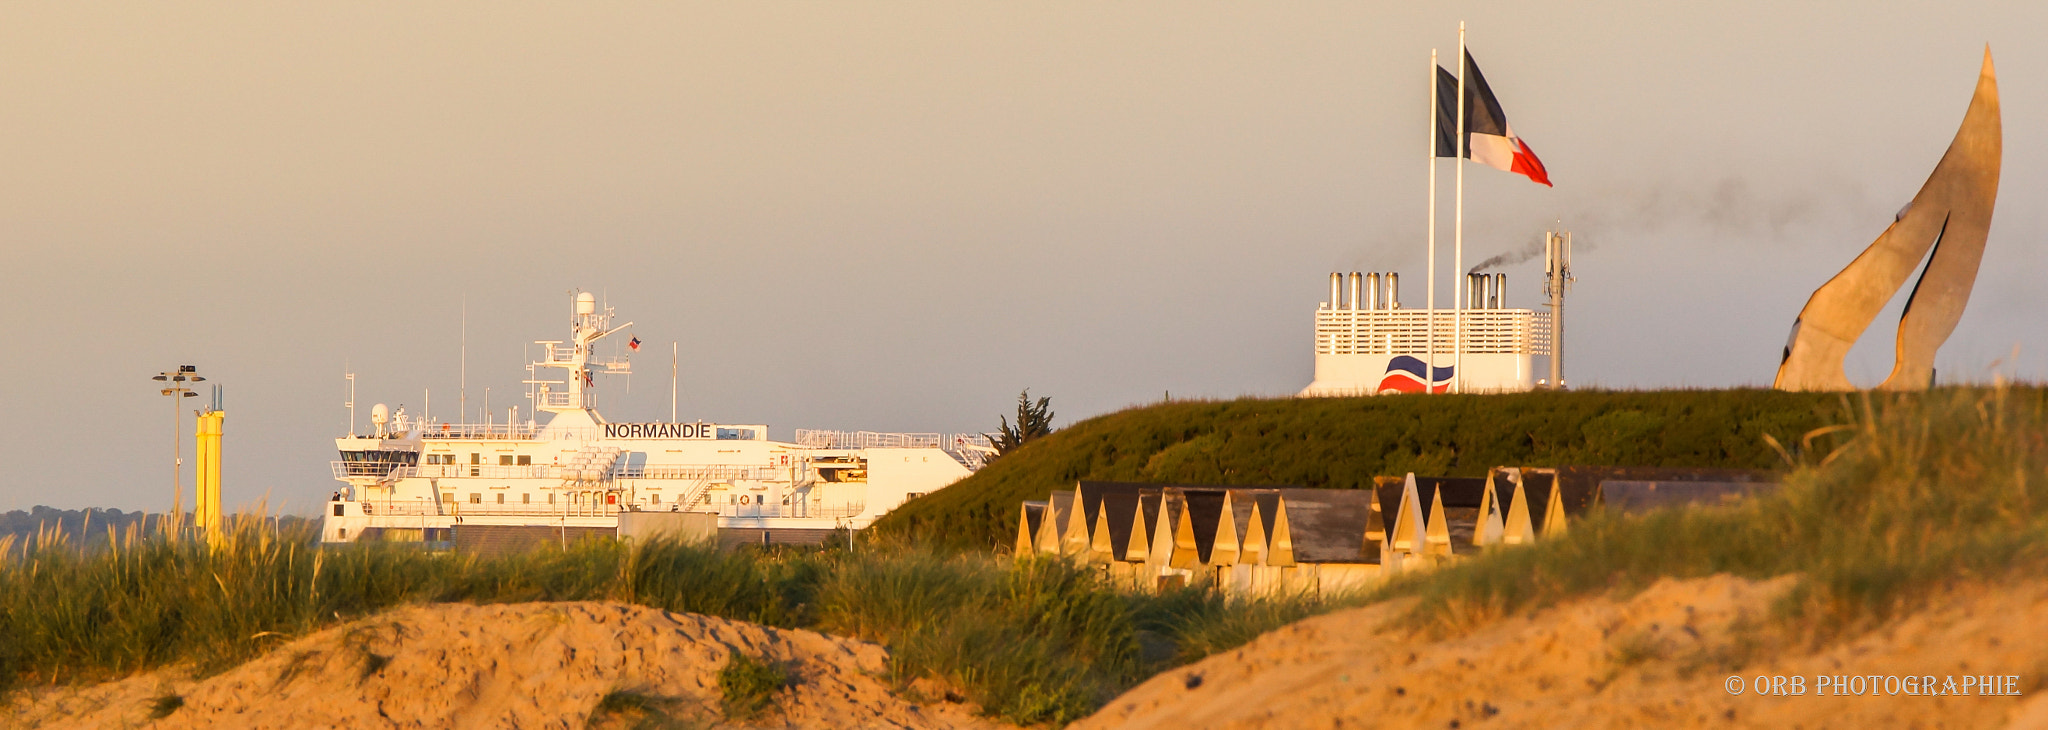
1030, 641
1342, 443
747, 686
1920, 491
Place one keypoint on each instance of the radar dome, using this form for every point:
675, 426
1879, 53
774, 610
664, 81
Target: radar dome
586, 303
379, 414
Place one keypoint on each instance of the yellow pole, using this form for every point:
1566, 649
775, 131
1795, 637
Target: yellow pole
206, 504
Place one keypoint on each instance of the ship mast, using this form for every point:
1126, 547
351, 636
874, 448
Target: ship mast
577, 356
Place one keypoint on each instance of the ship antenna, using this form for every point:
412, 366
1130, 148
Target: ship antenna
462, 369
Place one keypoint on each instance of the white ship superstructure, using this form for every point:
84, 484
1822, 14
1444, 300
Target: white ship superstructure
567, 467
1367, 344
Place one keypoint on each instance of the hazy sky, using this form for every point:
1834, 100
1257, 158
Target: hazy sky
892, 216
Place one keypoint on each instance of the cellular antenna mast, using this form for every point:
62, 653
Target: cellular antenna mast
1557, 277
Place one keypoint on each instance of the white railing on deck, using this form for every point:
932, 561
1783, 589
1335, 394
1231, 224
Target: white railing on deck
959, 445
346, 469
480, 431
694, 473
1407, 331
823, 439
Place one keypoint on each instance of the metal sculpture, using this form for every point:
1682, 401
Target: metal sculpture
1951, 215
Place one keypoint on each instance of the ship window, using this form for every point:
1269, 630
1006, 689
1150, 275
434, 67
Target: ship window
475, 498
526, 498
501, 498
341, 534
526, 461
504, 460
448, 497
337, 510
654, 498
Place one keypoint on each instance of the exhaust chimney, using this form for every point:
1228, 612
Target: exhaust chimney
1500, 291
1357, 283
1336, 289
1372, 291
1393, 290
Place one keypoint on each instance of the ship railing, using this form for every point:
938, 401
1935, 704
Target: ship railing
697, 473
480, 431
490, 471
1408, 331
834, 511
970, 449
380, 470
401, 509
799, 510
823, 439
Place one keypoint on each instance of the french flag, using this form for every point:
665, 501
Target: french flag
1490, 141
1405, 374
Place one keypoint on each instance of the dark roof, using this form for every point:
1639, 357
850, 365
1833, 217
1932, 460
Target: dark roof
1268, 502
1148, 505
1327, 525
1636, 497
1117, 510
1058, 504
1168, 511
1580, 485
1536, 487
1387, 490
1034, 516
1205, 509
1241, 502
1458, 492
1091, 494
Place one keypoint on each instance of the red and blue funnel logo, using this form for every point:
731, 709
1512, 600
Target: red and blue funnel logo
1407, 374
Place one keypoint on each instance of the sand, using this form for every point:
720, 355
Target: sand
1643, 661
540, 665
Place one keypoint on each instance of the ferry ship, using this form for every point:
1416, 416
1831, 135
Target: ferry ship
565, 468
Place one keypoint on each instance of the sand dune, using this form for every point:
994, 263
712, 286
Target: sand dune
542, 665
1642, 662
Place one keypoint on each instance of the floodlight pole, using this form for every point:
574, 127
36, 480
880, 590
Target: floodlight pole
174, 382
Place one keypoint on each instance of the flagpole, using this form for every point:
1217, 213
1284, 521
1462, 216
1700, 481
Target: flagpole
1429, 372
1458, 233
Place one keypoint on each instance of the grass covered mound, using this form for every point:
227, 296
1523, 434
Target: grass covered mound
1910, 493
1342, 443
1031, 641
1917, 492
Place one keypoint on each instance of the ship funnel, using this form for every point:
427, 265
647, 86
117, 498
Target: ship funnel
1336, 289
1393, 290
1500, 291
1357, 284
1372, 291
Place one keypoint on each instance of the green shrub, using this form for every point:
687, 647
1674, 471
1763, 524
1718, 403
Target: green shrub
747, 686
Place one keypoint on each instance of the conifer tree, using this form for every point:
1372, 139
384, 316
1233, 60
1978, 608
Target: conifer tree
1033, 420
